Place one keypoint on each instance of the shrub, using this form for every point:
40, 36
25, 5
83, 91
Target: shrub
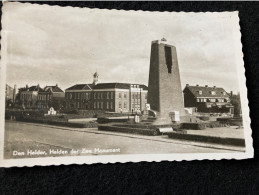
204, 118
194, 126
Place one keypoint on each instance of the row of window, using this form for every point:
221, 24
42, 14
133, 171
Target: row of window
77, 95
124, 105
120, 95
100, 95
213, 92
100, 105
80, 105
26, 96
44, 97
210, 100
39, 97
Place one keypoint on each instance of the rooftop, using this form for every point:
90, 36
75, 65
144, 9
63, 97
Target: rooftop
104, 86
206, 91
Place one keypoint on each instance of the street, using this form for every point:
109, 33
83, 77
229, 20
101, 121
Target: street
23, 140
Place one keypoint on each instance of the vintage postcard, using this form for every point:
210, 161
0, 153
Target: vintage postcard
87, 86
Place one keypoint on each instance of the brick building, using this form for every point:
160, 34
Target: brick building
207, 99
112, 97
41, 98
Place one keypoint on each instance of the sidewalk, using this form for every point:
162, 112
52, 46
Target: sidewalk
224, 135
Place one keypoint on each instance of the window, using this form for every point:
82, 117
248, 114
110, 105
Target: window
101, 95
212, 100
125, 95
111, 105
119, 95
133, 96
70, 95
94, 95
203, 100
213, 92
111, 95
198, 100
119, 104
224, 93
200, 92
107, 106
101, 105
220, 100
94, 105
108, 95
125, 105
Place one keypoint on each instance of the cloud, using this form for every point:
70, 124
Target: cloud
67, 45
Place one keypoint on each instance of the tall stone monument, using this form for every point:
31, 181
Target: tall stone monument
164, 87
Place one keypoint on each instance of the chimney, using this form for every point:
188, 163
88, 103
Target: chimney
56, 85
214, 87
187, 85
206, 85
26, 86
231, 93
197, 85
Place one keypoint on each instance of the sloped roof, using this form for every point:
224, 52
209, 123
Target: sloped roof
112, 85
206, 91
32, 88
53, 88
80, 87
103, 86
144, 87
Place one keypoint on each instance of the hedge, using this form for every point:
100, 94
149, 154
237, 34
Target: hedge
59, 123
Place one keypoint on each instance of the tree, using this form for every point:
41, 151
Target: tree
235, 101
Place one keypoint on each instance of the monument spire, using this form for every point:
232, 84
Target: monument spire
95, 78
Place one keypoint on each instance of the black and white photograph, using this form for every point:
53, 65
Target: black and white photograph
87, 86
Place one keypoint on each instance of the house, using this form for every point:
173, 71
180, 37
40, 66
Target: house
112, 97
207, 99
41, 98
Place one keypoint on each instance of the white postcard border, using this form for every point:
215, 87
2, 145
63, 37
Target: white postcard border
130, 157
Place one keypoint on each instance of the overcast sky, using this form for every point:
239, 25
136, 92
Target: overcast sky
65, 45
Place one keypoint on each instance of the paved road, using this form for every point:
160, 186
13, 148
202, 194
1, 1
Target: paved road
21, 137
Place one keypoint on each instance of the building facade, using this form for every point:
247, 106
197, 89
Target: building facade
110, 97
10, 95
207, 99
41, 98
